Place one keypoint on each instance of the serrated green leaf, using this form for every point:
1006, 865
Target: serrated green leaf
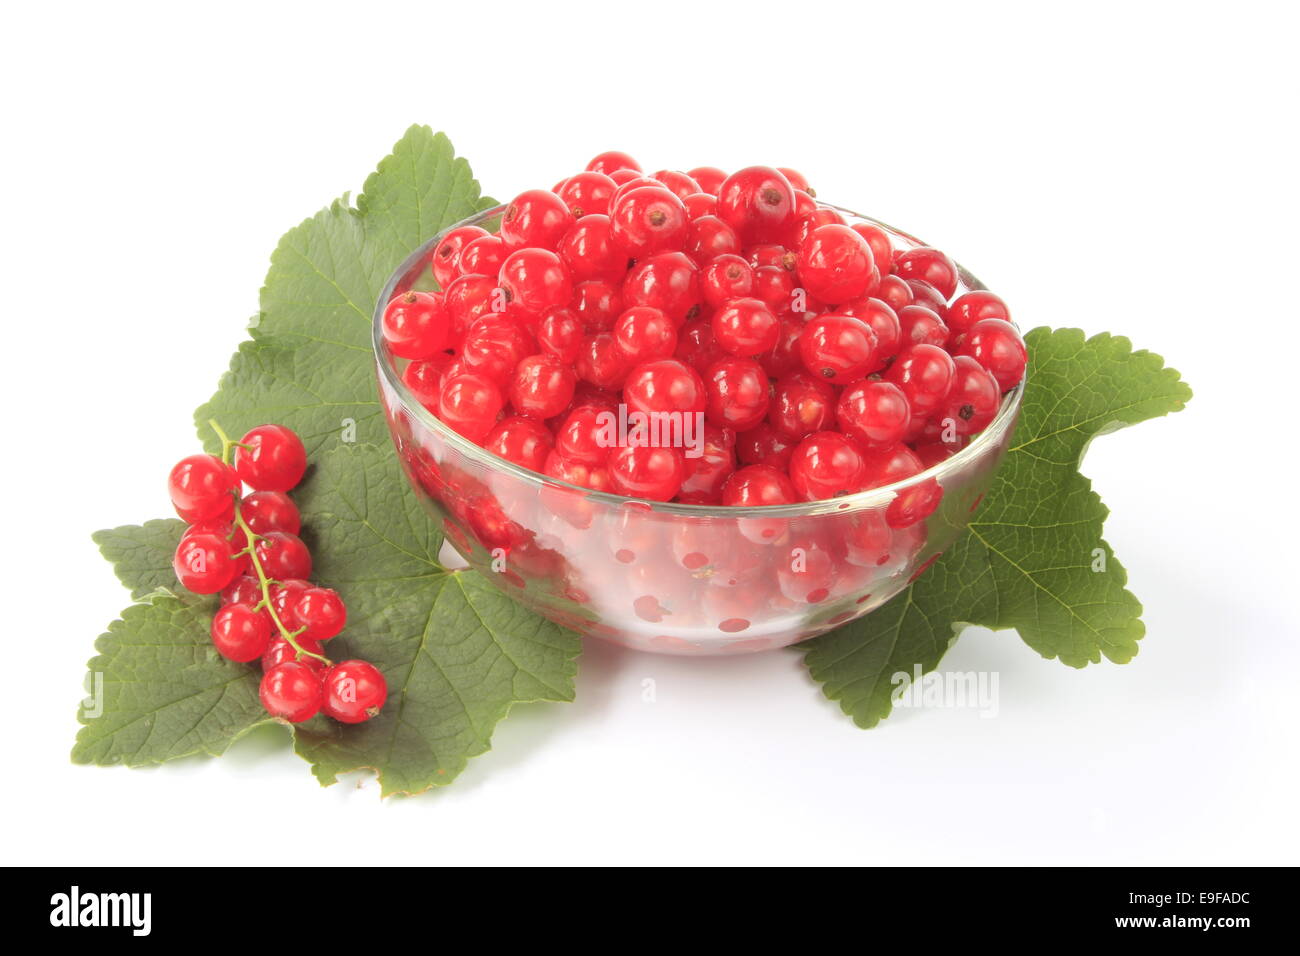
1034, 558
161, 690
456, 652
141, 555
310, 364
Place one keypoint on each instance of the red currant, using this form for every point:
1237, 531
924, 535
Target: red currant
283, 556
469, 404
536, 218
883, 321
600, 361
699, 205
583, 436
588, 193
665, 385
244, 589
270, 458
534, 280
597, 303
355, 692
641, 471
468, 298
710, 178
974, 399
930, 265
203, 562
424, 379
695, 345
746, 327
894, 292
291, 691
280, 650
240, 633
708, 237
416, 325
483, 256
835, 263
560, 333
202, 487
764, 445
827, 465
284, 597
611, 161
542, 386
882, 250
647, 219
758, 203
996, 345
971, 307
266, 511
839, 348
679, 184
589, 252
757, 486
580, 473
738, 393
801, 404
524, 441
726, 277
445, 260
925, 374
322, 612
495, 344
920, 325
875, 413
643, 334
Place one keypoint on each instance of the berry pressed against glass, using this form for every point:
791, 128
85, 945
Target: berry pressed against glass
838, 348
202, 487
354, 691
759, 485
241, 633
270, 458
416, 325
291, 691
641, 471
445, 260
525, 441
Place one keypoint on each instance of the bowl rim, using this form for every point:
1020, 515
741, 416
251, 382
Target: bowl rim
872, 498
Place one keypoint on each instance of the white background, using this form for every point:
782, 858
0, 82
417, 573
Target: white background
1127, 167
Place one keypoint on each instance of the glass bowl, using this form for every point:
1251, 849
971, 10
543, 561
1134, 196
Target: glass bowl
676, 578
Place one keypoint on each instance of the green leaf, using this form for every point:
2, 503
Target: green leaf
457, 653
1034, 558
310, 364
161, 691
141, 555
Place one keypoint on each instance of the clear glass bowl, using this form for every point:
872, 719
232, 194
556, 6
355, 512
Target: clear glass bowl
673, 578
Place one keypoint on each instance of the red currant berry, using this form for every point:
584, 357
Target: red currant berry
542, 386
801, 404
589, 252
839, 348
796, 179
267, 511
322, 612
535, 280
777, 288
971, 307
416, 325
772, 254
611, 161
763, 445
665, 385
927, 295
203, 562
245, 589
827, 465
875, 413
708, 237
284, 598
891, 464
820, 216
597, 303
679, 184
270, 458
757, 486
525, 441
600, 361
669, 282
424, 379
883, 321
560, 334
469, 297
280, 650
996, 345
445, 260
469, 404
894, 292
648, 219
355, 692
726, 277
587, 193
746, 327
585, 436
784, 359
580, 473
706, 474
835, 263
483, 256
643, 334
929, 265
283, 556
291, 691
974, 399
758, 203
240, 633
202, 487
652, 473
495, 344
920, 325
738, 393
710, 178
882, 250
699, 205
695, 345
536, 218
925, 374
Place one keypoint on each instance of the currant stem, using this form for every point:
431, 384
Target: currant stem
263, 581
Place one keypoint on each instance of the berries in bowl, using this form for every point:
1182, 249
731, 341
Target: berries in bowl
694, 412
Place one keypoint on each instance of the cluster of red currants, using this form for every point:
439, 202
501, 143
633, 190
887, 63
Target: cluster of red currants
823, 360
246, 547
